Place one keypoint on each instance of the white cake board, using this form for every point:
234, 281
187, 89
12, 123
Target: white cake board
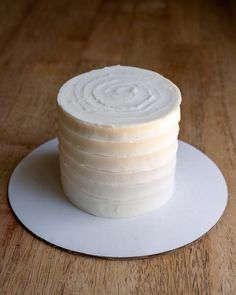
199, 200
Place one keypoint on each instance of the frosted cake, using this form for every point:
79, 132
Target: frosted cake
118, 129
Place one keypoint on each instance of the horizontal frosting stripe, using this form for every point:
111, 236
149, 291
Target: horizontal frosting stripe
121, 192
125, 134
140, 163
121, 149
111, 208
109, 177
73, 174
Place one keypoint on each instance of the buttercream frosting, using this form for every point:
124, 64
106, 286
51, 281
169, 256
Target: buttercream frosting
119, 96
118, 129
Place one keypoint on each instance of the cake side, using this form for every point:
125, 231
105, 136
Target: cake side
120, 134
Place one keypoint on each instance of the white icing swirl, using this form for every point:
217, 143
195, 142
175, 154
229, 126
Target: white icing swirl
119, 96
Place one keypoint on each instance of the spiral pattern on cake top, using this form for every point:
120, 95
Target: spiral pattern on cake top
119, 96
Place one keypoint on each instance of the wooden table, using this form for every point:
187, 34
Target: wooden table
43, 43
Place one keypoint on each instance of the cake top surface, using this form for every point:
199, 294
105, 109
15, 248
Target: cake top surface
119, 96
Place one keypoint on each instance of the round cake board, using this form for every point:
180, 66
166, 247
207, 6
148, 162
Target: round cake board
198, 202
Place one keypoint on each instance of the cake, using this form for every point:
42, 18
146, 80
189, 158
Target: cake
118, 130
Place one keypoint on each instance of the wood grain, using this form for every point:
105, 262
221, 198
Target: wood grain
42, 44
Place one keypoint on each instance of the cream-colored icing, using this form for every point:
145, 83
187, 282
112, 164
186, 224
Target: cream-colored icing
119, 96
120, 149
119, 164
115, 208
118, 191
118, 129
121, 134
109, 177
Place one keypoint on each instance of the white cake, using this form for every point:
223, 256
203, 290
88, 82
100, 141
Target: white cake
118, 129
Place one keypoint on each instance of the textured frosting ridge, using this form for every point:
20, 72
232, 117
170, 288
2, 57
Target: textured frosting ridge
118, 129
119, 96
